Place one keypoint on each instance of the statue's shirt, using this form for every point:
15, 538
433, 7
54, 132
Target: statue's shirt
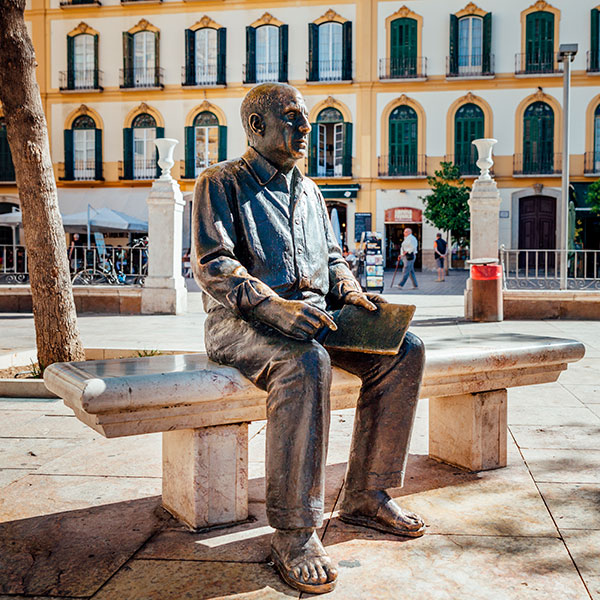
254, 237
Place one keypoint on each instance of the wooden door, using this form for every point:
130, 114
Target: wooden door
403, 48
537, 230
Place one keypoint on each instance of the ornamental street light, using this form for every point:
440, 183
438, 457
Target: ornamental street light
566, 54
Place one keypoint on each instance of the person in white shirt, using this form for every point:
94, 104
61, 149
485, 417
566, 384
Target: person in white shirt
408, 253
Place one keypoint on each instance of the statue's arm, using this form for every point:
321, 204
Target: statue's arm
214, 263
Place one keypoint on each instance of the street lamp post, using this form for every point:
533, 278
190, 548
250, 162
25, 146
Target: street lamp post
566, 54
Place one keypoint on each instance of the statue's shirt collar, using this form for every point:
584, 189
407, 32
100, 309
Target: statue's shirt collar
262, 169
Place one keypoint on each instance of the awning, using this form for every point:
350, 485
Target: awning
104, 219
342, 192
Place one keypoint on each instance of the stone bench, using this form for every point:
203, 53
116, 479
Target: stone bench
203, 410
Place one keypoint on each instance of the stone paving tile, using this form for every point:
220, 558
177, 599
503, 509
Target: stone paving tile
7, 476
440, 567
573, 505
175, 580
588, 394
135, 456
546, 395
32, 404
36, 424
563, 466
545, 416
66, 536
585, 371
583, 546
557, 436
33, 452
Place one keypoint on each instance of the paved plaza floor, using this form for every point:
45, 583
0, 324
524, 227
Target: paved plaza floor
80, 515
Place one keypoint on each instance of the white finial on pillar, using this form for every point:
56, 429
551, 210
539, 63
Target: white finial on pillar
485, 162
165, 147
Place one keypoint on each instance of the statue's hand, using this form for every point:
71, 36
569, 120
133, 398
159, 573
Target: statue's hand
294, 318
368, 301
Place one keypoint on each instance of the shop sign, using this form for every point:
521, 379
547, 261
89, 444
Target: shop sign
403, 215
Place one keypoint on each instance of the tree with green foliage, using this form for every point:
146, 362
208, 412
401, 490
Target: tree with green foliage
447, 208
593, 197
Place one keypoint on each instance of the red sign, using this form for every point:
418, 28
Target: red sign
403, 215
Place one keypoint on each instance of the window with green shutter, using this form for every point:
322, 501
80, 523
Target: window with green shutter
403, 141
221, 56
594, 60
250, 69
596, 158
7, 168
330, 152
469, 125
403, 48
538, 138
83, 149
203, 143
539, 42
139, 151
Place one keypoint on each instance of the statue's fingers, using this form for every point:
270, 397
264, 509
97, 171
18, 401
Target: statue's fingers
325, 320
362, 301
376, 298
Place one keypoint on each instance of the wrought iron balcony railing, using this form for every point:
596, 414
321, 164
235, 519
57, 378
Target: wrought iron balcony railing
409, 67
593, 61
476, 65
68, 3
83, 170
397, 165
328, 70
84, 79
592, 163
537, 163
142, 78
537, 63
341, 169
141, 169
201, 76
466, 163
261, 72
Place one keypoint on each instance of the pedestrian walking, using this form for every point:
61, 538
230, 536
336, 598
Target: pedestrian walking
408, 253
440, 248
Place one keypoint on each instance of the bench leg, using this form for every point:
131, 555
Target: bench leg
205, 474
469, 430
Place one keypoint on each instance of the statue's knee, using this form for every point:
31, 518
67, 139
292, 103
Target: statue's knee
315, 362
415, 348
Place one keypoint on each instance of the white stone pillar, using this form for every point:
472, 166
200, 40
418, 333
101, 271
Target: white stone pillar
484, 203
164, 291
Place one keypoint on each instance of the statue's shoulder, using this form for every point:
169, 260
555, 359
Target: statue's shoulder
223, 172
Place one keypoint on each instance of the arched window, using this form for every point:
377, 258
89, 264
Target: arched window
468, 126
403, 48
330, 52
205, 144
84, 58
206, 56
403, 141
83, 150
331, 145
205, 50
139, 151
266, 53
7, 168
538, 138
597, 140
539, 42
470, 44
141, 59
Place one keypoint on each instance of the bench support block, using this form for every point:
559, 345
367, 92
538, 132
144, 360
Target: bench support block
469, 430
205, 474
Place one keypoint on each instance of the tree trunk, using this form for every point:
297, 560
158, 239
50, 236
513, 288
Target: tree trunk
57, 334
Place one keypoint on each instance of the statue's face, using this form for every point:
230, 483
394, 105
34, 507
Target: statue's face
286, 128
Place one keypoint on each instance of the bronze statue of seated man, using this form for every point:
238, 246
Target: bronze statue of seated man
270, 269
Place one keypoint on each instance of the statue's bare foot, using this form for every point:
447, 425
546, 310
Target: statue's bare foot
302, 561
375, 509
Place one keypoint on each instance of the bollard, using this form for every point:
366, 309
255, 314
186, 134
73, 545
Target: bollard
487, 292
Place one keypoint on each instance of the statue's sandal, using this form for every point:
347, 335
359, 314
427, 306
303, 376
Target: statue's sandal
286, 571
385, 520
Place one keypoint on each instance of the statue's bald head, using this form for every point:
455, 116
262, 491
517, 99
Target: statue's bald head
262, 99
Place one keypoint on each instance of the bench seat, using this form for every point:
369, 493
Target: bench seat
203, 410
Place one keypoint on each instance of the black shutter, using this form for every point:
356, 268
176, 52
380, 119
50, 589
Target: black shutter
347, 51
127, 60
160, 133
250, 55
222, 142
283, 53
98, 155
96, 80
157, 81
190, 152
221, 55
190, 57
313, 52
69, 155
127, 153
594, 46
453, 45
312, 150
70, 62
347, 164
487, 45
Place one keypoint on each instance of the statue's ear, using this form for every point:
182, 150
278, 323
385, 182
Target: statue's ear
257, 124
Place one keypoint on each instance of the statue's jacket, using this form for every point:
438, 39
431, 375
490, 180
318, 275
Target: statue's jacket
253, 239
